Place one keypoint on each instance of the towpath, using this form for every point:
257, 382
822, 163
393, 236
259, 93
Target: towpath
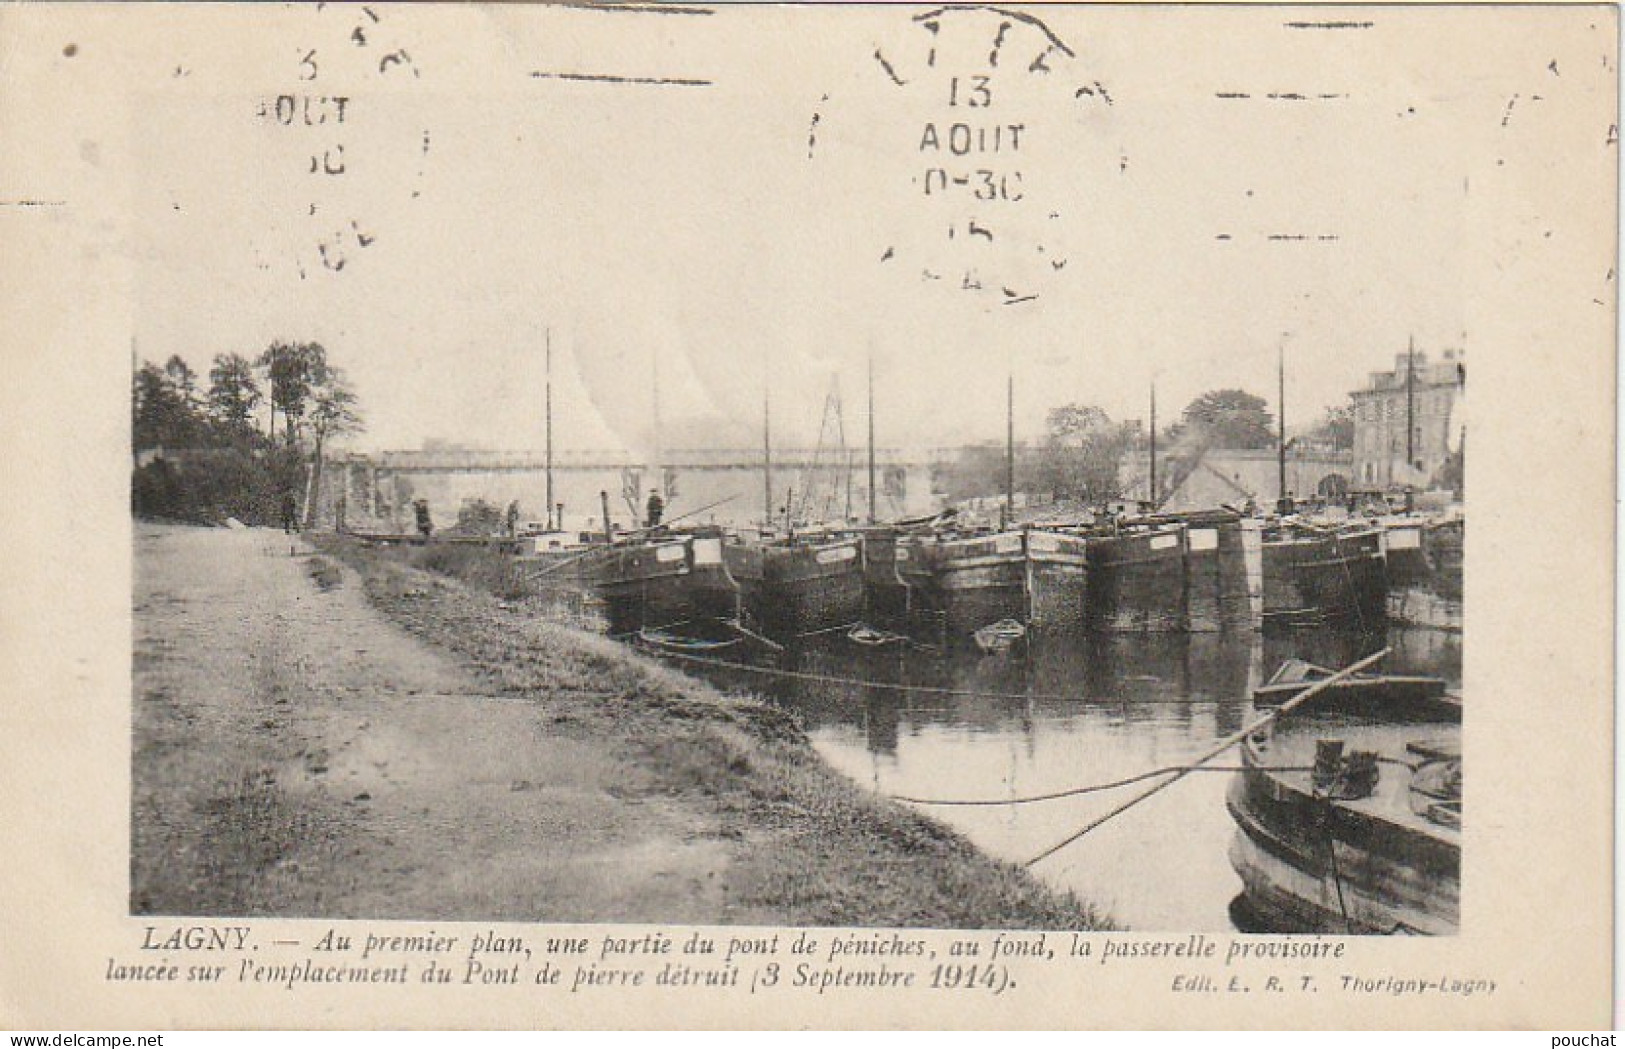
371, 740
296, 753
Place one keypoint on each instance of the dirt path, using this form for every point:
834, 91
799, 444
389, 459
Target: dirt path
347, 735
298, 754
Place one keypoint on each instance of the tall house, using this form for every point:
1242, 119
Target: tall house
1424, 396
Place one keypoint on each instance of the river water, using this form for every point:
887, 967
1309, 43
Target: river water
1065, 715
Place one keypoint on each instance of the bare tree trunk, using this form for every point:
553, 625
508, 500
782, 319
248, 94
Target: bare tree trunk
313, 479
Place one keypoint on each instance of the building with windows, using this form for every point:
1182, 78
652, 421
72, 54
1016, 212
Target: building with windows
1409, 422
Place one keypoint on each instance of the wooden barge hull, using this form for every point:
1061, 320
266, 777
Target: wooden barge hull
1057, 582
1408, 563
1137, 582
1318, 581
1312, 866
888, 597
1444, 545
1216, 576
680, 585
793, 591
1170, 578
967, 584
1368, 697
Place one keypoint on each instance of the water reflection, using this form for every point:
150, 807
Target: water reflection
1061, 715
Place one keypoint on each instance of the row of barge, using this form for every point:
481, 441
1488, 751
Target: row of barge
1193, 573
1347, 813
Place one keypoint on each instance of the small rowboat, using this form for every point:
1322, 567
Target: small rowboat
1369, 694
998, 637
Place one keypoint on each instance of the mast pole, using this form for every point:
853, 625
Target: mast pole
550, 521
767, 457
1152, 495
1410, 406
1010, 447
872, 493
658, 480
1280, 378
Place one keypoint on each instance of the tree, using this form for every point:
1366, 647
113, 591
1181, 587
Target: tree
1335, 430
1230, 419
234, 393
1082, 452
215, 465
478, 517
333, 411
161, 416
334, 407
290, 370
183, 379
977, 472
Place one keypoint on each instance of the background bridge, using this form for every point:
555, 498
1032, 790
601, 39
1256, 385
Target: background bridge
378, 488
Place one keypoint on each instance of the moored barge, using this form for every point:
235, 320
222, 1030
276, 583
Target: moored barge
1372, 695
1408, 563
672, 582
798, 586
889, 599
1349, 821
1321, 577
1137, 579
1057, 580
967, 582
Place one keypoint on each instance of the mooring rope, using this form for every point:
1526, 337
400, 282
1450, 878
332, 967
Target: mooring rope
1097, 787
1331, 855
1354, 587
1222, 746
853, 682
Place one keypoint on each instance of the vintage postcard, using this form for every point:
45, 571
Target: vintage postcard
628, 514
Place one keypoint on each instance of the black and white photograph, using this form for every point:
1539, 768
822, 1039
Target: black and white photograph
840, 504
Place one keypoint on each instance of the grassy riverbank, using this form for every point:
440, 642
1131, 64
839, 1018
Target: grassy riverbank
805, 845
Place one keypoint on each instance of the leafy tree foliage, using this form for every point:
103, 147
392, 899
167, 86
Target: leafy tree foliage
183, 379
478, 517
1335, 430
162, 417
1230, 419
1078, 459
199, 456
1082, 452
979, 472
333, 411
292, 370
234, 393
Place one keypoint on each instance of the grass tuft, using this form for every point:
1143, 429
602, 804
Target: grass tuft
326, 574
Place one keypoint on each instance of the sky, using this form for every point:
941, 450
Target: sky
732, 206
